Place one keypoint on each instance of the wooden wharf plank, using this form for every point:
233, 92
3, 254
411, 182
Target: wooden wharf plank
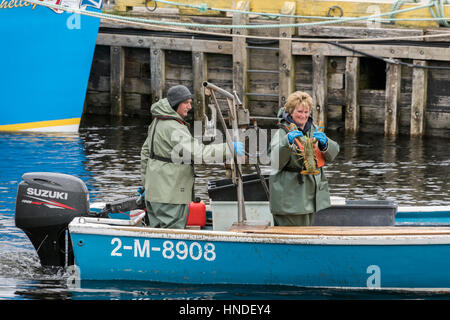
393, 86
157, 74
386, 51
298, 48
286, 82
199, 70
444, 32
419, 99
336, 31
117, 80
165, 43
240, 54
352, 111
320, 90
348, 231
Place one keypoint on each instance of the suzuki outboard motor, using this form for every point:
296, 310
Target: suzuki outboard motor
46, 204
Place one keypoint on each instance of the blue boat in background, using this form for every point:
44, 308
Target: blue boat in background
46, 60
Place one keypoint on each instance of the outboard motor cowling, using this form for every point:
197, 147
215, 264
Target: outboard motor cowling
46, 203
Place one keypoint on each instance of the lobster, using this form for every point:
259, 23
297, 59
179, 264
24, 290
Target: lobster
306, 150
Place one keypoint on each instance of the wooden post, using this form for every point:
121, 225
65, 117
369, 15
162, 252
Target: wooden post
393, 86
240, 55
286, 83
419, 99
351, 95
199, 70
117, 55
158, 73
320, 89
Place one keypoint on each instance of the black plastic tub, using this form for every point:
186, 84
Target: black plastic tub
225, 190
358, 213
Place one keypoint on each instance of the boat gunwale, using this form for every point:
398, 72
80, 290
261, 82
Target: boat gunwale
438, 235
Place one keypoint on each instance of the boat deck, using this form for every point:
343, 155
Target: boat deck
344, 231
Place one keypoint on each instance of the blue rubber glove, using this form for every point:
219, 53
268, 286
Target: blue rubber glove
238, 148
322, 138
294, 134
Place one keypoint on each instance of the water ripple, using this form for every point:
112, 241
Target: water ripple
107, 158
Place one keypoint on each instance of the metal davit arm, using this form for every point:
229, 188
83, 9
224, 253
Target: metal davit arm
220, 90
237, 164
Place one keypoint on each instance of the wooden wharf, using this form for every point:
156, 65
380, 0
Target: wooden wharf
390, 78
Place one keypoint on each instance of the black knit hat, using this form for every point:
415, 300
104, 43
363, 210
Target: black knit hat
177, 94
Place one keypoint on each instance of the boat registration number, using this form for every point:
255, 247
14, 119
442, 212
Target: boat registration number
169, 250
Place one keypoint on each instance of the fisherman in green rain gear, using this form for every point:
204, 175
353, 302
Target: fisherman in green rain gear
167, 158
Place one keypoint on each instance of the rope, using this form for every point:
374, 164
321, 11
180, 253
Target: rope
438, 16
215, 26
120, 19
440, 12
269, 38
204, 7
396, 6
335, 43
436, 9
289, 25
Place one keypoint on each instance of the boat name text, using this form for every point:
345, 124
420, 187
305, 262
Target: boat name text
4, 4
170, 249
47, 193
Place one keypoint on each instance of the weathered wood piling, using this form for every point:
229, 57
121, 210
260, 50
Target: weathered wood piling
379, 86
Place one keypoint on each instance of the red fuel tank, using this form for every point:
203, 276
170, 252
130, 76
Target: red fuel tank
197, 214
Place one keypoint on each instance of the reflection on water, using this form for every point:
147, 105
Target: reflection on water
106, 156
408, 171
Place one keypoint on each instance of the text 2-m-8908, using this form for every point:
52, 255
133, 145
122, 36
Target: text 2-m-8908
170, 249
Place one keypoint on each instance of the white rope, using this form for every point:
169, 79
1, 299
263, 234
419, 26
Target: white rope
147, 26
177, 29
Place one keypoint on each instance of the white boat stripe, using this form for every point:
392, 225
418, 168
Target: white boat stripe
226, 236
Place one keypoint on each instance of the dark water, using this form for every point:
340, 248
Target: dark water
106, 156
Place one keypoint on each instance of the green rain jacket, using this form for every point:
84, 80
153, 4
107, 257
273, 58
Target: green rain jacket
287, 195
173, 182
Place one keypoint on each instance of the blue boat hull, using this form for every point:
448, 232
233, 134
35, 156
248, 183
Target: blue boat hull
199, 257
425, 216
46, 61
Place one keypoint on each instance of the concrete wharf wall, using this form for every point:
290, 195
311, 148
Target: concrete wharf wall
133, 68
